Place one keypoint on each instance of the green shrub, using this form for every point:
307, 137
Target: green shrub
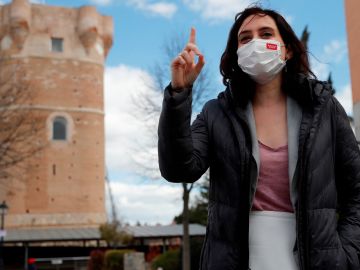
169, 260
114, 235
195, 249
96, 261
114, 259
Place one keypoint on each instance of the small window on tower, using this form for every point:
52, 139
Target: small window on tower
57, 44
59, 129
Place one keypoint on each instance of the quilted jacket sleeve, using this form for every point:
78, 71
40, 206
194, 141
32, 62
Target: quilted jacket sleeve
348, 175
182, 148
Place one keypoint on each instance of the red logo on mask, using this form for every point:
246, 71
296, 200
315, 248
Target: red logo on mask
271, 46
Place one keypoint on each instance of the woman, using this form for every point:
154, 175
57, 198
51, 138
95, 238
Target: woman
284, 162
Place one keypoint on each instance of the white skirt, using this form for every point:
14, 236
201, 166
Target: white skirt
271, 240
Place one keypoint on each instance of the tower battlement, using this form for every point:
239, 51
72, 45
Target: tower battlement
30, 29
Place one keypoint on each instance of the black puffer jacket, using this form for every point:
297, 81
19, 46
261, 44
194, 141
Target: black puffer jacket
328, 173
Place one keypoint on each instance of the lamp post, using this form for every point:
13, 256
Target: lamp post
3, 210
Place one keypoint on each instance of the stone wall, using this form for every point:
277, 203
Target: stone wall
134, 261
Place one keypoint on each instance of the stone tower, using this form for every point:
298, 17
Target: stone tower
352, 8
62, 51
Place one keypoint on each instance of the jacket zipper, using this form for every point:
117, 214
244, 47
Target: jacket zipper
237, 120
303, 244
300, 219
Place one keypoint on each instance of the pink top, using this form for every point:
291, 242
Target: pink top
273, 191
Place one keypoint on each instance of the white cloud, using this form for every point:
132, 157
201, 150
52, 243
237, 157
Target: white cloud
217, 9
320, 69
333, 53
164, 9
128, 139
290, 19
127, 136
344, 95
3, 2
150, 203
101, 2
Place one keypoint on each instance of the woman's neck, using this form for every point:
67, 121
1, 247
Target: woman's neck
269, 94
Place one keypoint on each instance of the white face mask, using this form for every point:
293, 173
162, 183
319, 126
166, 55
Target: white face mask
261, 59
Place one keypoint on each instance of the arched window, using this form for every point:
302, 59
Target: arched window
59, 128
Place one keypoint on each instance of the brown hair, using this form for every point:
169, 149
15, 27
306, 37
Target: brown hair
240, 81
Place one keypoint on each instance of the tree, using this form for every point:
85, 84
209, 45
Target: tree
305, 37
305, 40
198, 213
112, 231
114, 259
330, 81
19, 123
149, 108
168, 260
114, 235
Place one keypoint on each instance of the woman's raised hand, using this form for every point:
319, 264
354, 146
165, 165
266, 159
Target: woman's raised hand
184, 69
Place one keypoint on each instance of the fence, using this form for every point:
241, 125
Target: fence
69, 263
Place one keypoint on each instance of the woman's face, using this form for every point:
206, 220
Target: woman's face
260, 27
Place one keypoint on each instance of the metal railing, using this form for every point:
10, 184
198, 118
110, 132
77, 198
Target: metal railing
67, 263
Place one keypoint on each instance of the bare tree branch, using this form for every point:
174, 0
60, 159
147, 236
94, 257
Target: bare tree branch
148, 110
19, 123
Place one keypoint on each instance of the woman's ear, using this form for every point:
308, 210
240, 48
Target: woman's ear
289, 53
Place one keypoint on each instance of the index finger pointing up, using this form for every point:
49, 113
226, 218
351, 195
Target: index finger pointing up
192, 35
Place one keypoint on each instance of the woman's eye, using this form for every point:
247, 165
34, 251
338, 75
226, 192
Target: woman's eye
267, 34
245, 40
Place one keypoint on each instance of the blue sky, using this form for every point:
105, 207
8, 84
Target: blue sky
141, 28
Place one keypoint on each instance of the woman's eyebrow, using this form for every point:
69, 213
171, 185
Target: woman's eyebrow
244, 32
264, 28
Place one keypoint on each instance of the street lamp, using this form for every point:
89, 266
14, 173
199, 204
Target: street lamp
3, 211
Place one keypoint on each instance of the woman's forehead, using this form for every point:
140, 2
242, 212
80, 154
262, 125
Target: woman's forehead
256, 21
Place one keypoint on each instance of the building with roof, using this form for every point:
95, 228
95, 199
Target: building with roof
72, 246
142, 233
